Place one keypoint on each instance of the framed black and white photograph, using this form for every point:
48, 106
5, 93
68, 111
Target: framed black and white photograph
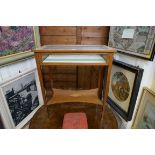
20, 98
124, 87
137, 41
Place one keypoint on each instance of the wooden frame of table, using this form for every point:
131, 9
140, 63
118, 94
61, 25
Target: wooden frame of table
105, 68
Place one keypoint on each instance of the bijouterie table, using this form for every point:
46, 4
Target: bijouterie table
76, 55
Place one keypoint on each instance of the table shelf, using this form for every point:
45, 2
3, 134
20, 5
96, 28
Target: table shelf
74, 60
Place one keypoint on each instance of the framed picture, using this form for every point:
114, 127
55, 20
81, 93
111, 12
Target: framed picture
20, 99
137, 41
1, 123
16, 42
145, 117
124, 87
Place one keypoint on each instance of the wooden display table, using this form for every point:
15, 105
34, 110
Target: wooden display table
92, 102
77, 55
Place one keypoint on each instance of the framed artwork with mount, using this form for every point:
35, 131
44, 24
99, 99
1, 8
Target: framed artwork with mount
20, 99
16, 43
145, 116
137, 41
124, 87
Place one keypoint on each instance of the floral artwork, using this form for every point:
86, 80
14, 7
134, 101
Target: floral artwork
15, 39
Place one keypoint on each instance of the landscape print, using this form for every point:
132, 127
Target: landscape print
148, 120
15, 39
120, 86
22, 97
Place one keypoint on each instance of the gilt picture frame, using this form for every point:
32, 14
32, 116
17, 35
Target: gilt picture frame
20, 98
124, 87
145, 115
136, 41
16, 43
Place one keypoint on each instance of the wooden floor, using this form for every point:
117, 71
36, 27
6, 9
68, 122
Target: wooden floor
41, 119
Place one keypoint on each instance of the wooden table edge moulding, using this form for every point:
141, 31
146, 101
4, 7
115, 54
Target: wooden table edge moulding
77, 55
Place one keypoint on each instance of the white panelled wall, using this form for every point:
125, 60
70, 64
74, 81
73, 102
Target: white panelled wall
12, 70
148, 79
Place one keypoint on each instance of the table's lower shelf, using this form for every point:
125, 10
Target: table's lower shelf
52, 115
70, 96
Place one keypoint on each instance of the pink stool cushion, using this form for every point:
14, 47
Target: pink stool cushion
76, 120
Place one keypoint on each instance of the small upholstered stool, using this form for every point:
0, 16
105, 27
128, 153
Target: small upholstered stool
77, 120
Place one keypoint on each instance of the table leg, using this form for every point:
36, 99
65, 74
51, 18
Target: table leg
106, 82
38, 59
107, 79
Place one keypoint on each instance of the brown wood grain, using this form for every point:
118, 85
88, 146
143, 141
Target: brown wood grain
64, 85
94, 77
56, 69
84, 77
88, 77
58, 30
66, 77
78, 35
59, 77
94, 41
95, 31
54, 40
